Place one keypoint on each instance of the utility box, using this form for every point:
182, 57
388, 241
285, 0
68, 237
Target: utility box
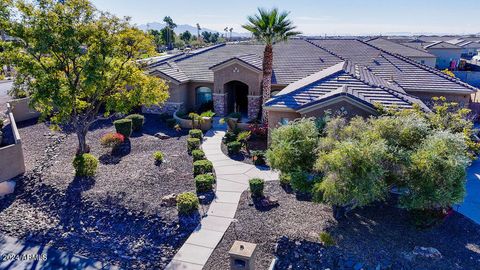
242, 256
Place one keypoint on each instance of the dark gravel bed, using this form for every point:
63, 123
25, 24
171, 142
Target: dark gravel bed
375, 237
244, 156
114, 217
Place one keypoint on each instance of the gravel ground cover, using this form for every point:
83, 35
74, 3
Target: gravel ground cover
116, 216
375, 237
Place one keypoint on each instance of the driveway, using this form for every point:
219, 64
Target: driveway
471, 206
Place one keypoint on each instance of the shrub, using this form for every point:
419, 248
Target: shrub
202, 167
259, 130
327, 239
171, 122
187, 203
198, 155
158, 156
193, 144
285, 179
301, 181
234, 147
85, 165
256, 187
112, 140
137, 121
436, 176
235, 115
196, 133
353, 173
124, 127
258, 157
204, 182
293, 146
1, 123
230, 136
207, 114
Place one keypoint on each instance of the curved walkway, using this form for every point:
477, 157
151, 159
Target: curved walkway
232, 180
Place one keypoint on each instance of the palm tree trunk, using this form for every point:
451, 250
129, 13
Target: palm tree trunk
267, 79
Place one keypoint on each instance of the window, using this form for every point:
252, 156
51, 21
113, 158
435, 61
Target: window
204, 95
284, 121
422, 61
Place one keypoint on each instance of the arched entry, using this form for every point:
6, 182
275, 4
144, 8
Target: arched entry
237, 97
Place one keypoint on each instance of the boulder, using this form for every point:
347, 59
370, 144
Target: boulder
7, 188
162, 136
169, 200
427, 252
268, 201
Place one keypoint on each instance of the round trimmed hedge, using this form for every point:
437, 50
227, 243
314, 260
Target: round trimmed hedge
137, 121
198, 155
193, 144
202, 167
256, 187
204, 182
196, 133
124, 127
85, 165
187, 203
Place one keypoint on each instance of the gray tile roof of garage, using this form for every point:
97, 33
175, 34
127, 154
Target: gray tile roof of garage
347, 79
406, 73
397, 48
250, 59
297, 59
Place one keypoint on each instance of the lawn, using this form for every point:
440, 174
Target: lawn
117, 216
379, 235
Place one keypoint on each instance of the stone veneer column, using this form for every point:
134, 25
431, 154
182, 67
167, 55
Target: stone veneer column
254, 106
219, 104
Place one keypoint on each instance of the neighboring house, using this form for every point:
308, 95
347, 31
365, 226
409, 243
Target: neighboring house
419, 55
309, 76
470, 46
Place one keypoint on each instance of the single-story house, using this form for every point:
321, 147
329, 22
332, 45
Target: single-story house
309, 77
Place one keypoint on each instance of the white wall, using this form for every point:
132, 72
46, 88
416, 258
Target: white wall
444, 56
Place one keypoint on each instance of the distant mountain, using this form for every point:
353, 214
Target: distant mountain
184, 27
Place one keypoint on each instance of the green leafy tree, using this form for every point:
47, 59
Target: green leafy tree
80, 60
168, 31
269, 27
186, 37
437, 173
157, 38
293, 146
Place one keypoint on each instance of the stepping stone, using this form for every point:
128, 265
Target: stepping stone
213, 223
193, 254
222, 209
205, 238
179, 265
228, 197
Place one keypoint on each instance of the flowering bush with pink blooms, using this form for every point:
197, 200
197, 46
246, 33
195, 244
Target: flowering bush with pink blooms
112, 140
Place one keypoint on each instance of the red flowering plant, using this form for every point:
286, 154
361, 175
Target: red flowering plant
258, 130
112, 140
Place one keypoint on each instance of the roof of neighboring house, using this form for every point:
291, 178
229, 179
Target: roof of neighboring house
344, 79
442, 45
298, 59
397, 48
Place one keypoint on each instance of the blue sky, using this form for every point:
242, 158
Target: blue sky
313, 17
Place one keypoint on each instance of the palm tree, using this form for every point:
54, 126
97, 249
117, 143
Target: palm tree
269, 27
198, 32
231, 29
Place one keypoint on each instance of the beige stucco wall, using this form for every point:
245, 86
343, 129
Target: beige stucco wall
11, 156
351, 110
21, 110
238, 72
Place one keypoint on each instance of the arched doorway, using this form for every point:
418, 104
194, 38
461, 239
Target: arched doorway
237, 93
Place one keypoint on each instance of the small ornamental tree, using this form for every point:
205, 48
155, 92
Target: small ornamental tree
293, 146
437, 173
79, 60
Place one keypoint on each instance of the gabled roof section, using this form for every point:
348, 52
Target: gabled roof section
347, 79
252, 60
441, 45
397, 48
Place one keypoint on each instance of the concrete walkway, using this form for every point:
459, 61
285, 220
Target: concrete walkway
232, 180
471, 205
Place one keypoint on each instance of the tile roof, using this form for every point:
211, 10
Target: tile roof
397, 48
441, 45
407, 73
297, 59
252, 60
347, 79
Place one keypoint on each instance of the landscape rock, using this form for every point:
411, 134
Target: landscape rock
162, 136
169, 200
269, 201
427, 252
7, 188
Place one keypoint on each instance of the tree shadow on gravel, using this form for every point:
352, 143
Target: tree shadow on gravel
104, 229
153, 125
116, 155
